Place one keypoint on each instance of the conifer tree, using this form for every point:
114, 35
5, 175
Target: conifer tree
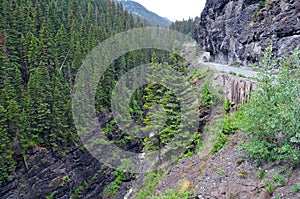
31, 51
9, 101
7, 163
39, 104
62, 128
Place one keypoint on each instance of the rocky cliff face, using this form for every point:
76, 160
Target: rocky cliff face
42, 174
237, 31
63, 175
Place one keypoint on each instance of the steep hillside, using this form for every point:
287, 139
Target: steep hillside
248, 151
148, 17
42, 46
238, 31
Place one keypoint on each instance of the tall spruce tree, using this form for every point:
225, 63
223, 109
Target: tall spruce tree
39, 105
7, 163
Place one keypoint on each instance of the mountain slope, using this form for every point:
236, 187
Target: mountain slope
148, 17
40, 152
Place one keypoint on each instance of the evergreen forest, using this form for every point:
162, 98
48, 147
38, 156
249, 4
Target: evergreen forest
44, 43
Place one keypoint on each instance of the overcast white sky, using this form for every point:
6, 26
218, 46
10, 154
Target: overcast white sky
174, 9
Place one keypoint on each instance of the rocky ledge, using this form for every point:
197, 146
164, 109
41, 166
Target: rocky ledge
237, 31
44, 174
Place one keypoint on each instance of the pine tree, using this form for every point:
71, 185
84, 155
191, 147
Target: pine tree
62, 50
62, 130
9, 101
32, 56
7, 163
39, 104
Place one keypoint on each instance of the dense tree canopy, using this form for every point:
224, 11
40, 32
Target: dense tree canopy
185, 26
42, 45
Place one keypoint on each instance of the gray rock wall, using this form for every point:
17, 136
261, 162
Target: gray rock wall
44, 173
237, 31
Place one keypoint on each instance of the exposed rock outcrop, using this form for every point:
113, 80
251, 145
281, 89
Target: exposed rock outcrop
44, 174
75, 173
239, 30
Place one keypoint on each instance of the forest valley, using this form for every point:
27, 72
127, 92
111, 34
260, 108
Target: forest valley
43, 45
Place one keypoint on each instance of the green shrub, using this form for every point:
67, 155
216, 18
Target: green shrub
220, 143
150, 182
235, 63
296, 188
185, 155
241, 75
256, 14
271, 119
220, 171
196, 74
119, 173
226, 106
51, 196
261, 174
113, 187
261, 4
279, 179
79, 189
232, 73
270, 188
207, 97
229, 125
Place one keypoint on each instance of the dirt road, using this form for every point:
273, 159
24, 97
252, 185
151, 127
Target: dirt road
226, 68
190, 50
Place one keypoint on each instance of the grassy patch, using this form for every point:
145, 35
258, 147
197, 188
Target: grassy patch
77, 192
232, 73
296, 188
175, 194
51, 196
261, 174
270, 188
220, 143
150, 183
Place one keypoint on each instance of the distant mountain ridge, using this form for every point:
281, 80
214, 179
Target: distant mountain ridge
149, 18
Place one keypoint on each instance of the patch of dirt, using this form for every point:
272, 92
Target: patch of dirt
230, 174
